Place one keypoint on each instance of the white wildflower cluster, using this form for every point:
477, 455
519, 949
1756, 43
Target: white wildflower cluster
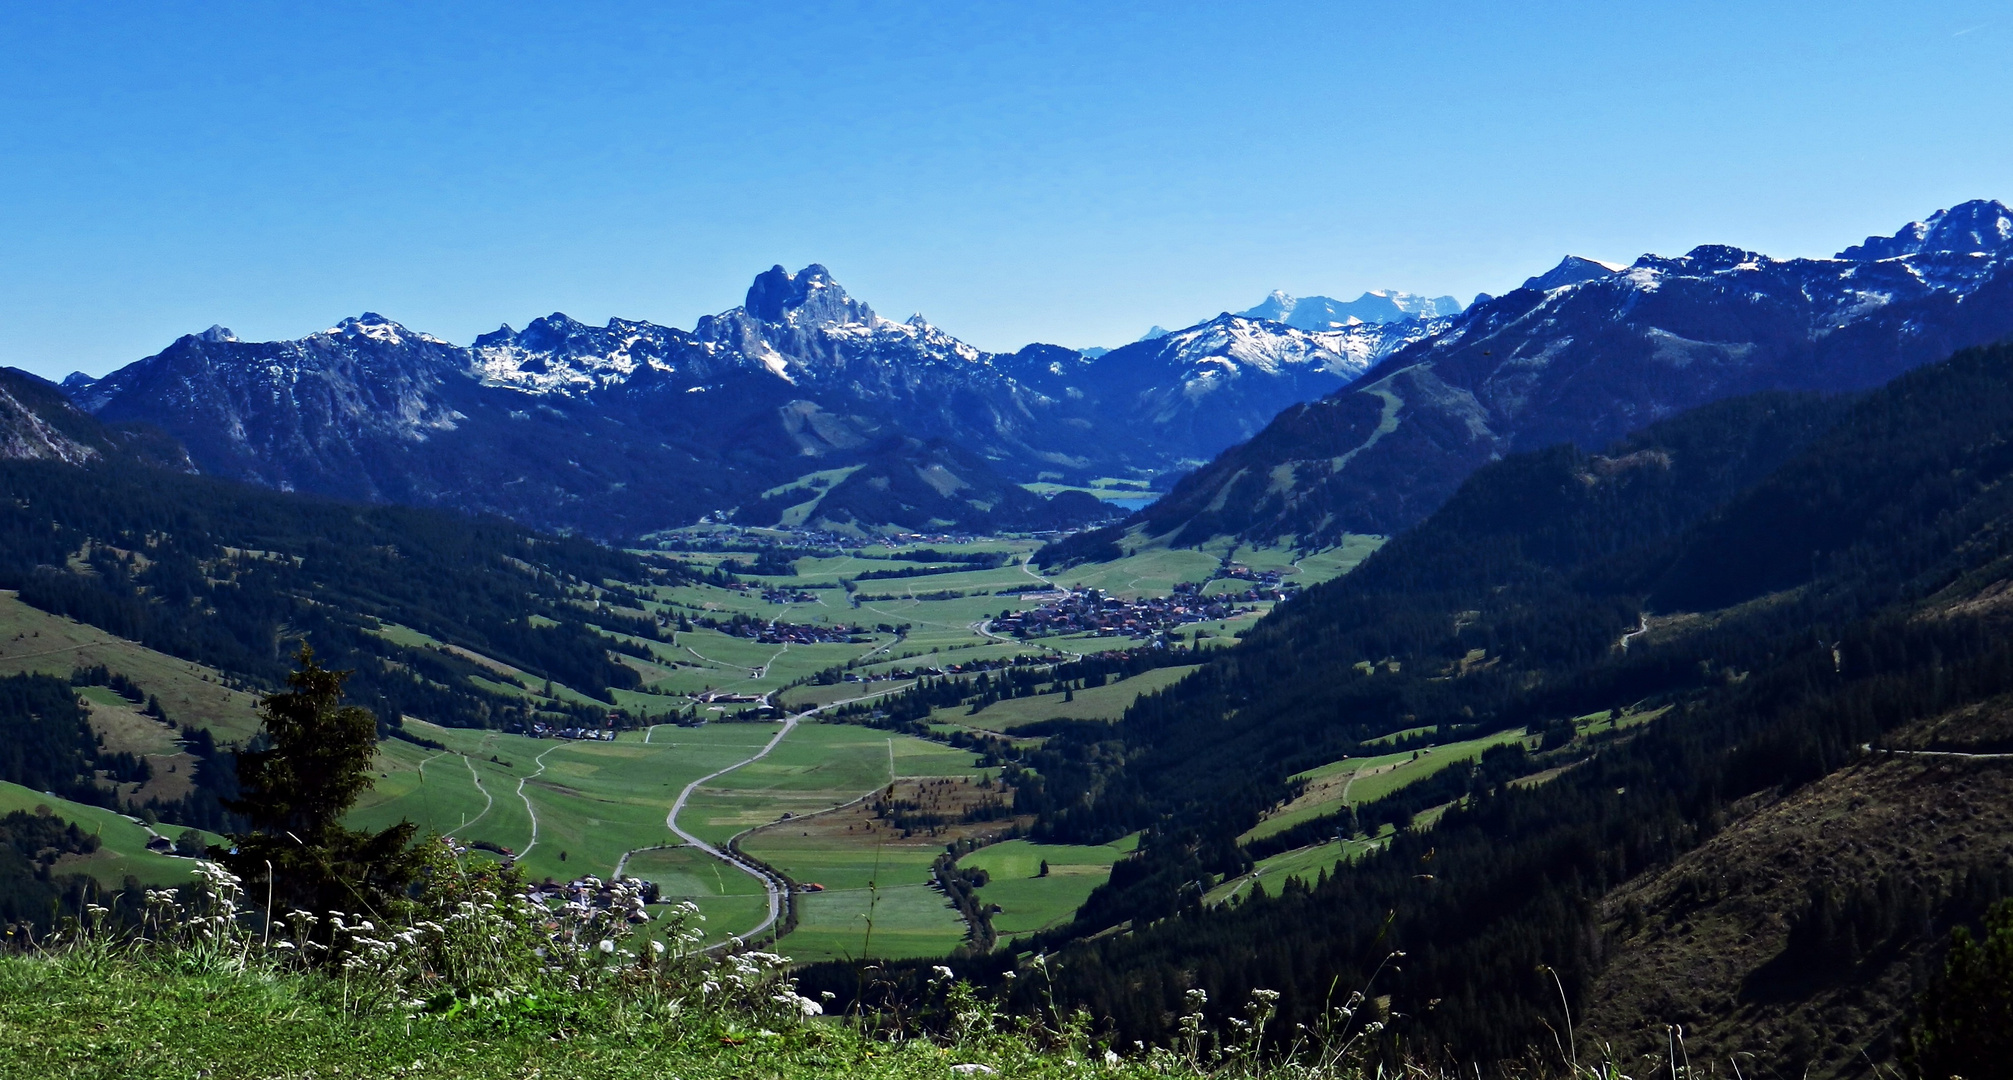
476, 937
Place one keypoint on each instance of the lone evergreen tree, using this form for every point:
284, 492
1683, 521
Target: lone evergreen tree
294, 792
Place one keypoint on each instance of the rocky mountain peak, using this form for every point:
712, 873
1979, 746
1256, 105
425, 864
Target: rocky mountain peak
1571, 271
808, 297
1981, 226
369, 325
217, 334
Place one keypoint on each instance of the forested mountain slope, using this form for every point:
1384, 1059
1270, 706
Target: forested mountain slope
1817, 574
230, 575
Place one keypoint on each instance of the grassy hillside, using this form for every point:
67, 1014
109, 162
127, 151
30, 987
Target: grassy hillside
123, 842
33, 640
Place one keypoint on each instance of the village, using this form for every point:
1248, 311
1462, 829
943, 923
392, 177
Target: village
1092, 611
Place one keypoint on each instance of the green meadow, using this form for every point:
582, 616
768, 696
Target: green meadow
1030, 901
1354, 781
122, 842
1107, 702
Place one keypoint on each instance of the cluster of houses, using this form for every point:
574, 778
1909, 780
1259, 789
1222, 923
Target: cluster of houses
591, 892
784, 595
540, 730
1262, 584
1092, 611
778, 633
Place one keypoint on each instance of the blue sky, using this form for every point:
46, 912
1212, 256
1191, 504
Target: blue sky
1060, 172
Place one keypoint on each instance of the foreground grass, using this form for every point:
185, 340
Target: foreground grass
86, 1014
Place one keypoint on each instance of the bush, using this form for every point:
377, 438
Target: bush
1966, 1026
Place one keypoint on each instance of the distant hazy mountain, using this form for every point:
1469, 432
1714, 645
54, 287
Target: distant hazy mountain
1587, 352
1325, 313
620, 429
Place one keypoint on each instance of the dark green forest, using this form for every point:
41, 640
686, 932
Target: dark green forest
232, 576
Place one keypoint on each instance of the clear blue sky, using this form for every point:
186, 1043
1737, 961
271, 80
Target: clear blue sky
1064, 172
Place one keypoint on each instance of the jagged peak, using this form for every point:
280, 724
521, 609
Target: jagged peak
216, 333
809, 296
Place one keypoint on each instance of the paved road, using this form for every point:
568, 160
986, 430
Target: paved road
771, 884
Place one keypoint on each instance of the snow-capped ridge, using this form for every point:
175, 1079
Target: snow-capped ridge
1327, 313
1980, 226
377, 328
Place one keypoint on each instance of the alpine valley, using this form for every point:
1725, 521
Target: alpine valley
1605, 676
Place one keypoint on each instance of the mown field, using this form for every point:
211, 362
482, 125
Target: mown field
1028, 899
1354, 781
32, 640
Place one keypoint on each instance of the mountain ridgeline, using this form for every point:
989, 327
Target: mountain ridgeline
616, 431
1588, 352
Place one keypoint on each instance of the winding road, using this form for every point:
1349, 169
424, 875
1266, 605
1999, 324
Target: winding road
540, 759
1642, 627
772, 885
1871, 749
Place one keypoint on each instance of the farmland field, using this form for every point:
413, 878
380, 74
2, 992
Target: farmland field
1107, 702
1029, 901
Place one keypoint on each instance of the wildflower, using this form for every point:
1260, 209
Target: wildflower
800, 1003
974, 1070
657, 947
1111, 1059
941, 973
607, 947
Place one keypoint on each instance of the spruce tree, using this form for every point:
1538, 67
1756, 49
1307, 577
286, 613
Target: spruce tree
314, 764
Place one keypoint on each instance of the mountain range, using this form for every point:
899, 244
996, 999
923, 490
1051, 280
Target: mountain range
1589, 351
1321, 417
618, 430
